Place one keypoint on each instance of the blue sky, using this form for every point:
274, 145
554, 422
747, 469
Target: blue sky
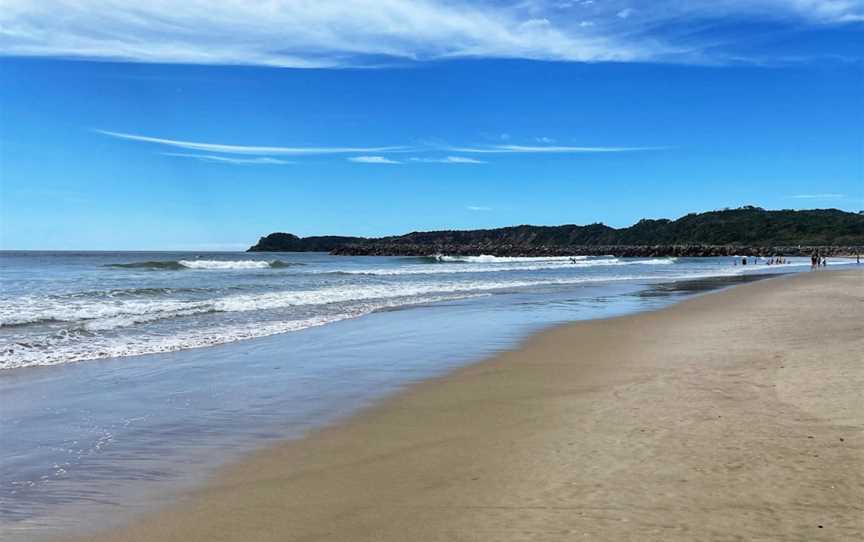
203, 125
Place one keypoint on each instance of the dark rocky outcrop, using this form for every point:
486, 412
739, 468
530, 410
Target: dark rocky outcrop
287, 242
744, 231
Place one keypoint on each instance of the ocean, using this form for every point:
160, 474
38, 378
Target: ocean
124, 374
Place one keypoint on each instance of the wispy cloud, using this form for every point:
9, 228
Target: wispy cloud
288, 33
246, 149
372, 160
449, 160
478, 208
260, 160
818, 196
551, 149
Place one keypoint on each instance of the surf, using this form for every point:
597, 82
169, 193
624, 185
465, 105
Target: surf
179, 265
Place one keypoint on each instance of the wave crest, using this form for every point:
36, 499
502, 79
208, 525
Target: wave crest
486, 258
81, 344
179, 265
506, 265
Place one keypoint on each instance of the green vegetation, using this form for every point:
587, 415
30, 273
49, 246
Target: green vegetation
746, 226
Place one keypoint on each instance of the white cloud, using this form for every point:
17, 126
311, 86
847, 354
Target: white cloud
372, 160
290, 33
825, 11
551, 149
449, 160
262, 160
818, 196
222, 148
478, 208
544, 140
246, 149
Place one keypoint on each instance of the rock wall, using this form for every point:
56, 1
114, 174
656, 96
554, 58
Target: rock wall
641, 251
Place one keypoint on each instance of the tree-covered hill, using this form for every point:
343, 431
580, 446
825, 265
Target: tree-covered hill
743, 227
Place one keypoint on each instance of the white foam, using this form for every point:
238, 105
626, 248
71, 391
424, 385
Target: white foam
68, 348
486, 258
97, 327
117, 322
98, 314
223, 264
509, 264
31, 309
104, 315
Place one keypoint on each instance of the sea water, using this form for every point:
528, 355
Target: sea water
124, 375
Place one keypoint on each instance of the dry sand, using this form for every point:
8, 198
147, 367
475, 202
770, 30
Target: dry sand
737, 415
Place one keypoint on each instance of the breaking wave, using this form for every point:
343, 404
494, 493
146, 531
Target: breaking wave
85, 315
205, 264
485, 258
507, 264
97, 314
67, 346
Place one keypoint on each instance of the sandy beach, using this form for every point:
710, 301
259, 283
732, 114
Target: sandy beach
736, 415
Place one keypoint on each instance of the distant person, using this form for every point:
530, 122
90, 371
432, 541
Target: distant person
858, 259
744, 260
825, 262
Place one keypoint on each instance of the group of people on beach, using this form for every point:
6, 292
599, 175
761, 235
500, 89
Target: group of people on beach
817, 261
773, 260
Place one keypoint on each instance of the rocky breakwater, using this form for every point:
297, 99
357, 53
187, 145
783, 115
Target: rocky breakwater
625, 251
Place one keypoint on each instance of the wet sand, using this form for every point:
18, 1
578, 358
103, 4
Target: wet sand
737, 415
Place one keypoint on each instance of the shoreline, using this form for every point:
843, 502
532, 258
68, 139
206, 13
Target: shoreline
387, 472
374, 350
